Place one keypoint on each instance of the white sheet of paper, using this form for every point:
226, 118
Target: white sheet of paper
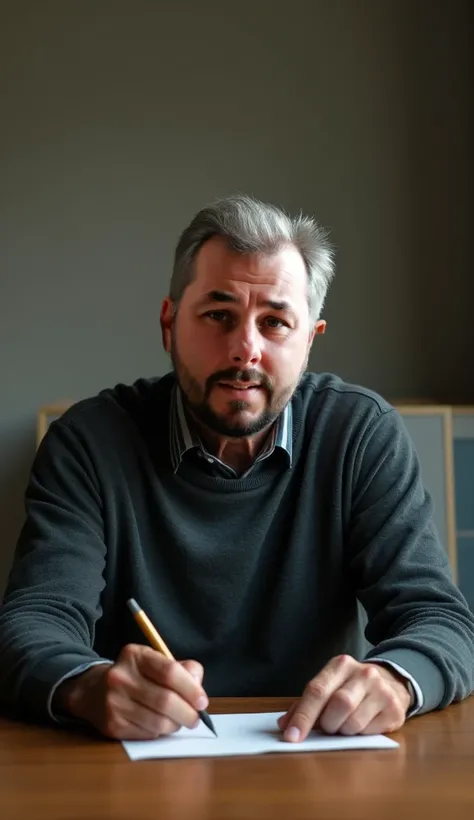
245, 734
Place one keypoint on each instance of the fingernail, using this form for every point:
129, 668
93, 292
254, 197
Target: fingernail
196, 676
293, 734
202, 703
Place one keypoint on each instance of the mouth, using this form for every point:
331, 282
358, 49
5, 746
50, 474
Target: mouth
239, 389
239, 385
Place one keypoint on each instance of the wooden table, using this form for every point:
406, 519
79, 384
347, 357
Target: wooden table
54, 774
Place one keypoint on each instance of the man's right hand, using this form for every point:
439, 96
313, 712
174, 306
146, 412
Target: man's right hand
141, 696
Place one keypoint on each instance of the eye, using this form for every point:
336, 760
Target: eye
217, 315
274, 323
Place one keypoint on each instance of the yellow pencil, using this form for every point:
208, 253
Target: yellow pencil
158, 643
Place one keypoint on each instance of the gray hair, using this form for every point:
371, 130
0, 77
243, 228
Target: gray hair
251, 226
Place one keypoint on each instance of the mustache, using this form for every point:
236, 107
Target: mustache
233, 374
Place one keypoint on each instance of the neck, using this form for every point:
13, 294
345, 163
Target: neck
238, 453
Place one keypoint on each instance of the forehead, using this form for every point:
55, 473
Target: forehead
219, 267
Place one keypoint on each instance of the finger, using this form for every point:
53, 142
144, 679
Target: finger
153, 724
127, 720
195, 669
361, 717
123, 730
284, 719
166, 703
127, 684
383, 724
387, 709
343, 704
317, 694
172, 675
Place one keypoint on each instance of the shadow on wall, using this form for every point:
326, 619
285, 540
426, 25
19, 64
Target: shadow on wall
18, 451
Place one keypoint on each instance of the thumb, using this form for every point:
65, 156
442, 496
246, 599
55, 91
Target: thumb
195, 669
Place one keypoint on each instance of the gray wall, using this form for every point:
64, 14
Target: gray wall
120, 119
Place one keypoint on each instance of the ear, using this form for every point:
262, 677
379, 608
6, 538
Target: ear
320, 327
166, 321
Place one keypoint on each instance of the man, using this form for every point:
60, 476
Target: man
250, 507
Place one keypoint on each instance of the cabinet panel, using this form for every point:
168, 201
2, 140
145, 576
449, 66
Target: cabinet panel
430, 429
463, 433
464, 483
465, 549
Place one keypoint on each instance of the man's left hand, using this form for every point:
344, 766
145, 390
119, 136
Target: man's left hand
349, 698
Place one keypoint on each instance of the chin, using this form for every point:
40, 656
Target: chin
229, 410
240, 424
240, 418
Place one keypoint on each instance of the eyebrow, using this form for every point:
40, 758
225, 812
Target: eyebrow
225, 296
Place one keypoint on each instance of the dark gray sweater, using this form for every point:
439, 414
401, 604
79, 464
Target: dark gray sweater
258, 578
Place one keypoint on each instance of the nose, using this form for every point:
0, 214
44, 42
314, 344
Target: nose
244, 346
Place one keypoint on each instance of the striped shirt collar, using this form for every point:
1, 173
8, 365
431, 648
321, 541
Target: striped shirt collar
183, 438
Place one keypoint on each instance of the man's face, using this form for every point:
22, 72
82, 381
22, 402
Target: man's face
240, 339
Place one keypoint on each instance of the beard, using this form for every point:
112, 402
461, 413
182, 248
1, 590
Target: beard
232, 424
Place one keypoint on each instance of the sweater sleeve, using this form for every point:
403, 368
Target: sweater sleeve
52, 600
417, 617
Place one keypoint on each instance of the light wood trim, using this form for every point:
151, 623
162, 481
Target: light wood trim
446, 411
423, 409
413, 401
463, 410
409, 401
450, 494
44, 413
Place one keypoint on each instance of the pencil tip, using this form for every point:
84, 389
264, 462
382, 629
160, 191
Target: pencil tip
207, 721
132, 605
